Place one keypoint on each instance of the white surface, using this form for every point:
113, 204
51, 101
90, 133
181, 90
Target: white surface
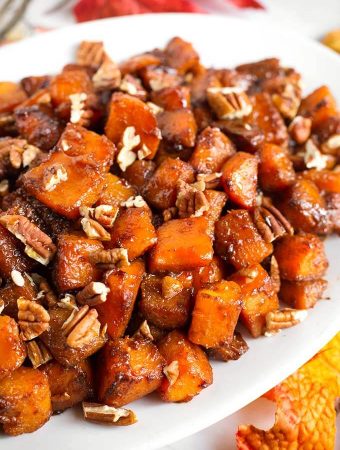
222, 42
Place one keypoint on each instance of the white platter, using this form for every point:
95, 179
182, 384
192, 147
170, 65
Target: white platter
224, 42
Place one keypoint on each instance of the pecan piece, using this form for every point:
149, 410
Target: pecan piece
104, 214
108, 75
93, 294
283, 318
81, 327
38, 245
53, 176
17, 278
191, 201
4, 188
16, 153
90, 54
68, 302
288, 98
211, 180
109, 259
108, 414
169, 213
45, 292
172, 372
134, 202
275, 274
33, 319
38, 353
144, 331
231, 351
270, 223
126, 156
133, 86
2, 305
229, 102
313, 158
80, 113
300, 129
94, 230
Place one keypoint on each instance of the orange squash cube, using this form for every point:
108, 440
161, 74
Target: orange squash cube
115, 191
11, 95
326, 180
181, 55
12, 348
178, 127
318, 105
171, 98
302, 294
276, 170
212, 273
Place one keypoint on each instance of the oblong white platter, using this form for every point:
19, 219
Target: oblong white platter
221, 42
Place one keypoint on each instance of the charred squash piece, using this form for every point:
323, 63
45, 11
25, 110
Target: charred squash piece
12, 348
212, 150
134, 231
276, 170
191, 371
128, 111
161, 190
181, 55
12, 256
26, 401
172, 98
258, 297
320, 105
69, 385
11, 95
326, 180
124, 285
301, 257
115, 191
182, 244
238, 241
215, 315
178, 127
239, 179
128, 369
165, 308
73, 267
302, 294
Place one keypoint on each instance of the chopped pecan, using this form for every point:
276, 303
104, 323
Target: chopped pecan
81, 327
171, 287
170, 213
16, 153
126, 156
231, 351
144, 331
90, 54
104, 214
275, 274
270, 223
38, 245
313, 158
38, 353
108, 414
172, 372
2, 305
143, 152
284, 318
45, 292
68, 302
133, 86
4, 187
80, 113
17, 278
300, 129
33, 319
229, 102
94, 230
245, 136
332, 145
108, 75
53, 176
136, 202
155, 109
109, 259
191, 201
93, 294
211, 180
288, 99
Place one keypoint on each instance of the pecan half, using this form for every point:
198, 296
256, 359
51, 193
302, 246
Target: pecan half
231, 351
108, 414
229, 102
90, 54
94, 230
288, 99
80, 113
172, 372
171, 287
37, 353
108, 75
38, 245
68, 302
81, 327
126, 156
191, 201
313, 158
33, 319
93, 294
270, 223
16, 153
284, 318
169, 213
133, 86
211, 180
109, 259
104, 214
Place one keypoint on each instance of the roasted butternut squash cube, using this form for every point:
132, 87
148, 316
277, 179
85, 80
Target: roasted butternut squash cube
73, 268
128, 369
191, 371
26, 401
178, 127
319, 106
11, 95
326, 180
181, 55
12, 256
128, 111
124, 285
212, 273
69, 385
267, 118
276, 170
212, 150
239, 179
304, 207
215, 314
258, 296
161, 189
12, 348
171, 98
302, 294
301, 257
238, 241
139, 173
55, 340
217, 201
10, 293
165, 308
115, 191
182, 244
134, 231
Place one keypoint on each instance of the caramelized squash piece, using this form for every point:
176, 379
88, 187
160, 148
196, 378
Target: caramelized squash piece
12, 348
139, 173
33, 84
191, 372
211, 273
165, 308
302, 294
69, 385
215, 315
301, 257
212, 150
276, 170
217, 201
304, 207
124, 285
11, 95
138, 62
231, 351
182, 244
239, 179
115, 191
12, 256
10, 293
171, 98
156, 78
128, 111
128, 369
55, 340
319, 105
134, 231
238, 241
178, 127
25, 401
161, 190
181, 55
326, 180
73, 268
258, 297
